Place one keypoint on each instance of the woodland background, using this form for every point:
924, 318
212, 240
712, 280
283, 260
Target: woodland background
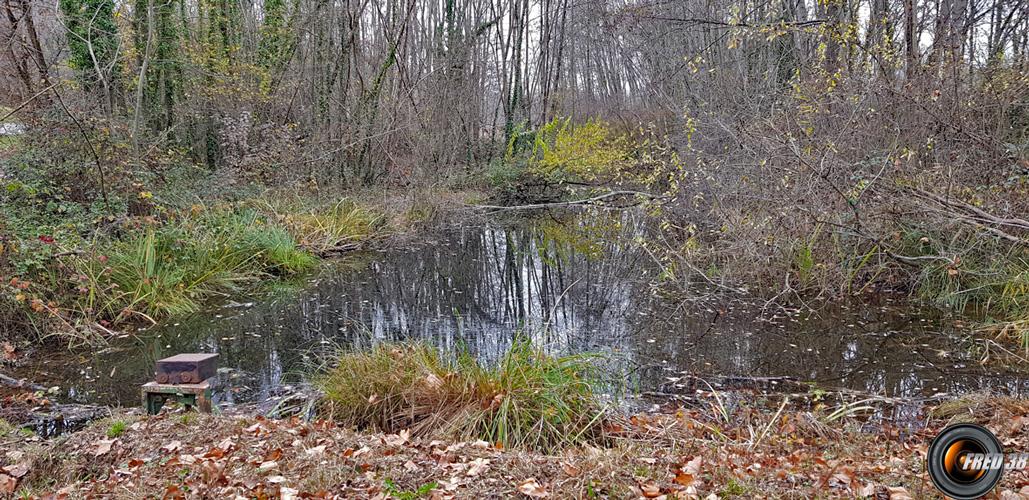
815, 147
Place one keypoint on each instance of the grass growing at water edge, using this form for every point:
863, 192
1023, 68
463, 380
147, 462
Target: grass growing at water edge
171, 269
528, 400
329, 229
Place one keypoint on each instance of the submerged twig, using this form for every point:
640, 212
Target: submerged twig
586, 201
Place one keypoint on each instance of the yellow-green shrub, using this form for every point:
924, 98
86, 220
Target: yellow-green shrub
562, 150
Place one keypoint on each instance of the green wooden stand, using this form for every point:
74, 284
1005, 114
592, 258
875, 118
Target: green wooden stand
189, 395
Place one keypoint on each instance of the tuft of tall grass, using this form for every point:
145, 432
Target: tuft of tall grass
528, 400
172, 269
331, 229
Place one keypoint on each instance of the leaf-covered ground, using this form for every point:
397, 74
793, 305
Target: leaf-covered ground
680, 454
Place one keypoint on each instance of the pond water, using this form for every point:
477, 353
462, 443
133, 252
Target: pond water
576, 284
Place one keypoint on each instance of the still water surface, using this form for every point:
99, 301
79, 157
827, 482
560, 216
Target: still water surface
573, 285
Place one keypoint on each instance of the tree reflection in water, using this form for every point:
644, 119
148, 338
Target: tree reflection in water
576, 285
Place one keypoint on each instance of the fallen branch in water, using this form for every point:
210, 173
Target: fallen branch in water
587, 201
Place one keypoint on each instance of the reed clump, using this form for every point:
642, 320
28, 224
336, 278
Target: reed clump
529, 399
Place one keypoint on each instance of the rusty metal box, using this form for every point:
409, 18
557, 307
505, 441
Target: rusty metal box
191, 368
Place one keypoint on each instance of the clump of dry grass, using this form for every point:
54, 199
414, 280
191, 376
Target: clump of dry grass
975, 407
529, 400
332, 229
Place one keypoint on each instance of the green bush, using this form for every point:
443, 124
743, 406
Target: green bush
562, 150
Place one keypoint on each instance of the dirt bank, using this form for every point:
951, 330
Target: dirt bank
686, 454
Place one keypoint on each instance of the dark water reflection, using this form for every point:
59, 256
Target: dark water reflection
580, 285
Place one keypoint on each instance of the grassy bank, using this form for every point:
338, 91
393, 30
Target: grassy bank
83, 281
94, 241
739, 452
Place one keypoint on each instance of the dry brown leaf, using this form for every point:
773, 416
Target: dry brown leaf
173, 492
531, 488
7, 484
269, 465
899, 493
215, 453
477, 466
314, 451
103, 447
844, 478
650, 490
400, 439
17, 470
433, 381
452, 484
1022, 494
172, 447
10, 353
693, 466
226, 444
272, 455
570, 469
684, 478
